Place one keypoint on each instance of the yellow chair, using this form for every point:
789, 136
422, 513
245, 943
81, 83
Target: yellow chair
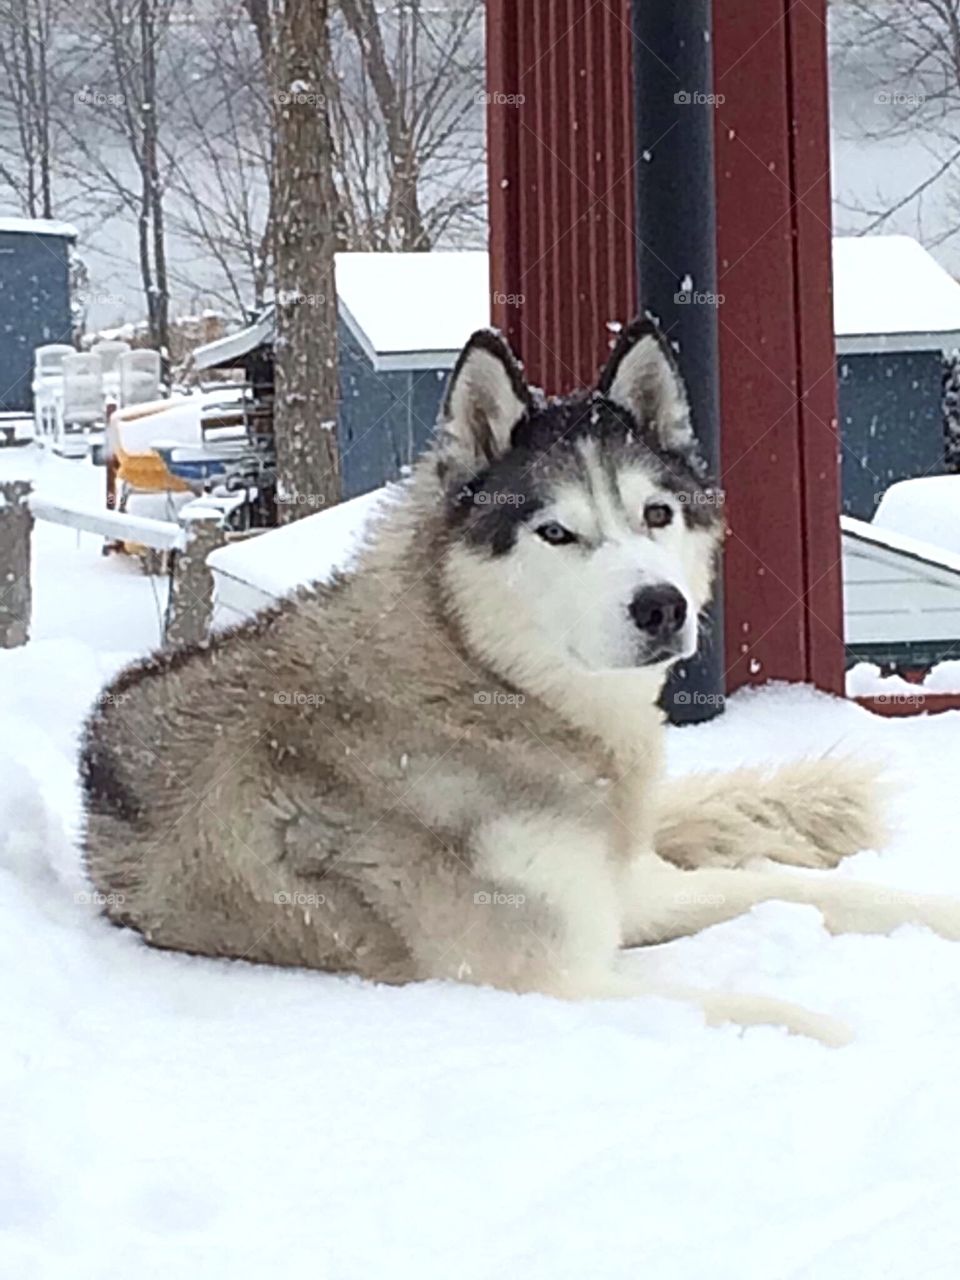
143, 471
147, 472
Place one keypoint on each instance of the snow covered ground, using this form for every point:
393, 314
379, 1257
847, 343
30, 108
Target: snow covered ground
164, 1116
77, 592
866, 678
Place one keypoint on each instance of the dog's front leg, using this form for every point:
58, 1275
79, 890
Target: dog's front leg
663, 902
539, 911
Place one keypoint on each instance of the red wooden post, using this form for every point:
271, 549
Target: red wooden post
779, 443
562, 165
819, 421
561, 173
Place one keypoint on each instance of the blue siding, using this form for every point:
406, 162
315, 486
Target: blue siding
891, 423
385, 419
890, 415
34, 309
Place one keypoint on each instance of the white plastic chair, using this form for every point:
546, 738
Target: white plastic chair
48, 385
110, 353
139, 373
81, 406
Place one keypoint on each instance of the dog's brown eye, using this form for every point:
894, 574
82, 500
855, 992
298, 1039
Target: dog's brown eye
658, 515
555, 534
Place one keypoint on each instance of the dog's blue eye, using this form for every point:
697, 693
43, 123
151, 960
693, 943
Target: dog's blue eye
555, 534
658, 515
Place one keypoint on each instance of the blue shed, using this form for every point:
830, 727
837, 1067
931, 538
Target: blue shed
34, 304
896, 312
403, 318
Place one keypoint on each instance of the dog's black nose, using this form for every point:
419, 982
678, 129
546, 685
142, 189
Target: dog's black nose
659, 611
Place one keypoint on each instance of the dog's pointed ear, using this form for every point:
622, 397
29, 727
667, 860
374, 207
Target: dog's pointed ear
642, 377
485, 399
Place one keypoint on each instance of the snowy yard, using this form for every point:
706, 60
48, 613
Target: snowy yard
165, 1116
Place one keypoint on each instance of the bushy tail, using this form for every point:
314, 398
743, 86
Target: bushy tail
810, 813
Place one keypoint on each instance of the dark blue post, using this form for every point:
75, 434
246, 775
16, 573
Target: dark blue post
675, 112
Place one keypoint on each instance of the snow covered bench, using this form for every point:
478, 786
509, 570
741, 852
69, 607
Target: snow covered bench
192, 539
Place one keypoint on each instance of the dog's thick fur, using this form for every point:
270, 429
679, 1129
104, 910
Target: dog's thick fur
447, 764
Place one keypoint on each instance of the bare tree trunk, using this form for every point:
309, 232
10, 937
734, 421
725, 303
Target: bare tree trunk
264, 257
404, 206
305, 225
219, 176
159, 301
25, 27
259, 12
127, 35
146, 268
31, 154
42, 90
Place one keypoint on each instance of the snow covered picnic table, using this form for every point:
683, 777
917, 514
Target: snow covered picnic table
168, 1116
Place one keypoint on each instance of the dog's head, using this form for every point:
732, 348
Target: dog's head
585, 525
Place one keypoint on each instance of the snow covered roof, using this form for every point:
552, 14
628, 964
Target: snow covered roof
411, 310
407, 302
224, 351
39, 227
926, 509
902, 544
889, 293
406, 310
900, 594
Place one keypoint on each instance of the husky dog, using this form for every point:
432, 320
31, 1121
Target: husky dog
448, 762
